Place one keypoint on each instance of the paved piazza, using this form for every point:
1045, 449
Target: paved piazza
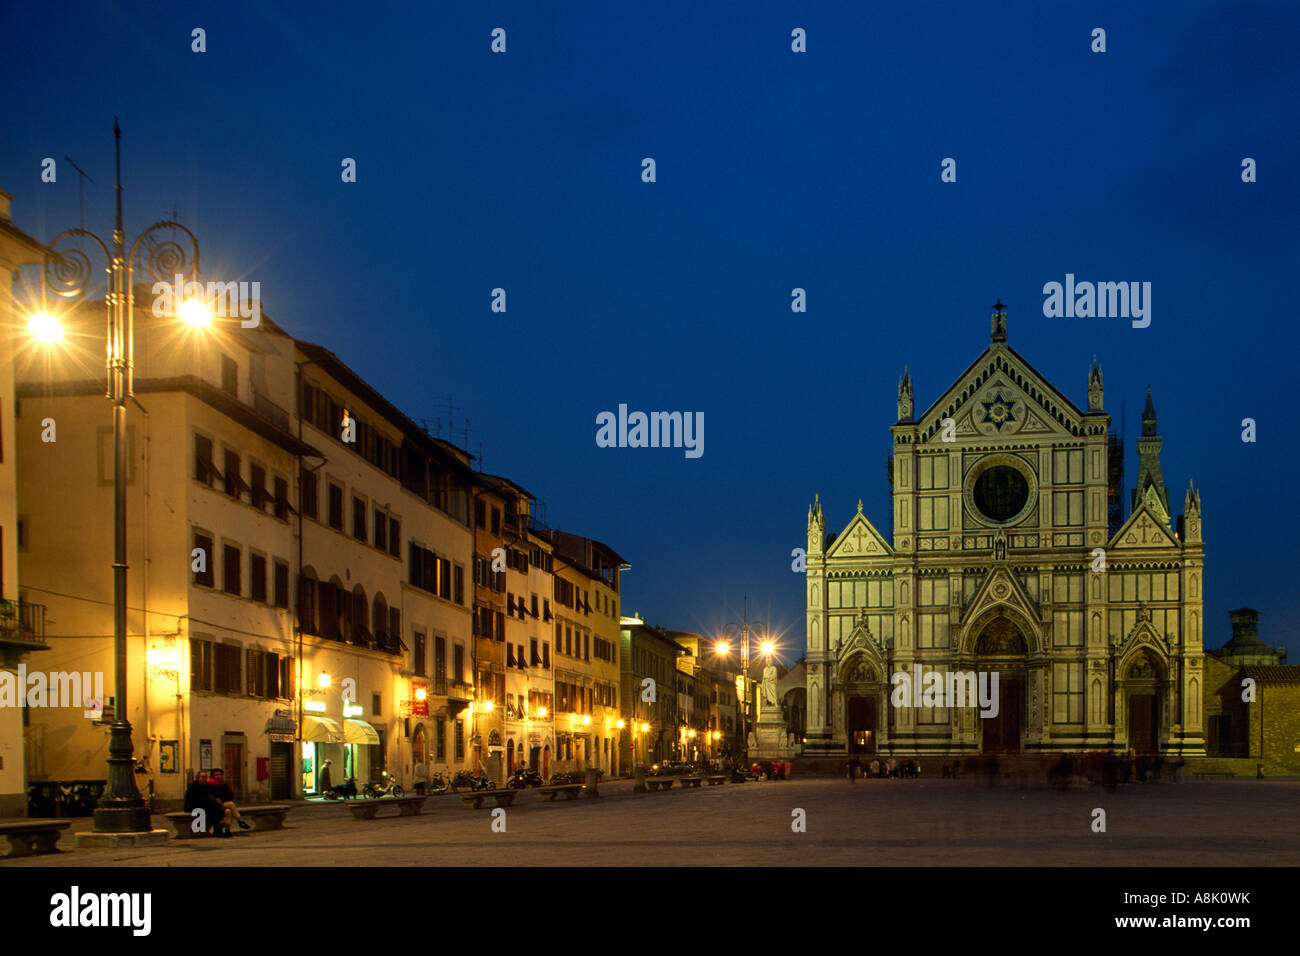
871, 823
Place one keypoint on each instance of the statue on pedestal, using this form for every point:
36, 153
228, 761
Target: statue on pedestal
770, 708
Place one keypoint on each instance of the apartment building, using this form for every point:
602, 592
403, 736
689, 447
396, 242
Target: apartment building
586, 654
384, 598
529, 681
649, 691
21, 621
213, 665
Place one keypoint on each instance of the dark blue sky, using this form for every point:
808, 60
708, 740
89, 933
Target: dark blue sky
775, 170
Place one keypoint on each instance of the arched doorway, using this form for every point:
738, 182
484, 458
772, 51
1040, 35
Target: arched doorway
510, 755
1142, 686
546, 762
1002, 648
862, 705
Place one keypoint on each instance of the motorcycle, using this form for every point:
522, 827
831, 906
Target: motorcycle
390, 785
464, 780
524, 777
343, 791
438, 783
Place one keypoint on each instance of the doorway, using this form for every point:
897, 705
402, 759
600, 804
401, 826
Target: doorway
281, 760
234, 767
1143, 722
862, 725
1002, 732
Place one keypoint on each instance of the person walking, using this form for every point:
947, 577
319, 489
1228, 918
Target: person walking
324, 781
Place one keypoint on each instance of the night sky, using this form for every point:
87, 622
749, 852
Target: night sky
775, 170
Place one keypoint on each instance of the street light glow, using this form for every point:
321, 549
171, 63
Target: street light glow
723, 649
768, 648
323, 681
196, 314
45, 328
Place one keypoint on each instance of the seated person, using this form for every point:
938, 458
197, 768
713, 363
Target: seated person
226, 797
198, 796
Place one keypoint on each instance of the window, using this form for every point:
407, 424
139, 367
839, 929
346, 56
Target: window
229, 375
440, 738
200, 665
281, 593
394, 537
546, 654
256, 674
480, 514
440, 665
282, 507
227, 670
534, 659
510, 655
586, 647
460, 740
496, 521
418, 654
310, 493
381, 530
204, 559
1067, 508
257, 478
335, 506
376, 703
257, 586
359, 519
230, 569
1067, 693
235, 485
204, 468
533, 606
458, 663
458, 584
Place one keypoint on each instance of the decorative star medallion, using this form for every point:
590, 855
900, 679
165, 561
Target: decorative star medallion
998, 411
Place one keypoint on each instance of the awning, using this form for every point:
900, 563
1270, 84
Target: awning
321, 730
359, 732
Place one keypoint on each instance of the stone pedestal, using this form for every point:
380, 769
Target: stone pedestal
102, 841
771, 741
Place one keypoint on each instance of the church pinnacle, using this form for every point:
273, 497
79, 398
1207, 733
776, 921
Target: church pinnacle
999, 319
1094, 387
1150, 483
905, 403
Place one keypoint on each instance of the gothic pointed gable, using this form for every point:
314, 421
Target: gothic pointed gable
861, 642
1142, 636
858, 539
1000, 589
1145, 528
1001, 395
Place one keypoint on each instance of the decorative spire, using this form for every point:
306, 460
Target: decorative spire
816, 526
1149, 478
1094, 387
905, 403
999, 321
1149, 417
859, 506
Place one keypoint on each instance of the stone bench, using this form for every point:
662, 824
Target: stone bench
715, 780
659, 783
268, 816
570, 791
368, 809
33, 837
691, 782
474, 798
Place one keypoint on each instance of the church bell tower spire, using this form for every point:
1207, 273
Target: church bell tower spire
905, 403
1150, 483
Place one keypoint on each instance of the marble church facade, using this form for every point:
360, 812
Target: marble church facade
1009, 552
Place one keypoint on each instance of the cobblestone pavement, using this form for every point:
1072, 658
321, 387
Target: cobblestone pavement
873, 823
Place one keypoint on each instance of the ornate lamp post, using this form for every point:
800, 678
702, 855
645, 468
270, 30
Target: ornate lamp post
121, 808
741, 632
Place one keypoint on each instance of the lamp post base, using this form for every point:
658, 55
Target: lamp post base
121, 808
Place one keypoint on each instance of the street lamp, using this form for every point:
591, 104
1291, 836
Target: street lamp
121, 809
732, 632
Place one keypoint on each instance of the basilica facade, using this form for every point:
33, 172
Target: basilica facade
1008, 552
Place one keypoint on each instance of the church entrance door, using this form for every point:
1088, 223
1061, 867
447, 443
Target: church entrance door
862, 725
1002, 733
1143, 720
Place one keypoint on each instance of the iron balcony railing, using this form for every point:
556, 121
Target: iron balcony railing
22, 623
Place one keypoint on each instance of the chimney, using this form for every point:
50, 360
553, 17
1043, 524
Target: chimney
5, 199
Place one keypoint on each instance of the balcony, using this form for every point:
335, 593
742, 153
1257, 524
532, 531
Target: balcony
22, 625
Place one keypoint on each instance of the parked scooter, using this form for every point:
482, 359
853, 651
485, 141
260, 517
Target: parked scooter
438, 783
384, 789
343, 791
464, 780
524, 777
